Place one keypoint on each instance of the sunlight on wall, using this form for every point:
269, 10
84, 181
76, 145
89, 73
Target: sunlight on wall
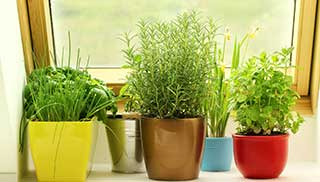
11, 84
318, 131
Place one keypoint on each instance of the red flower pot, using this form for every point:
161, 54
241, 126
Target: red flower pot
260, 157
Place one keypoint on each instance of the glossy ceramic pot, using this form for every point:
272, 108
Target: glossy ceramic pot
217, 154
123, 133
61, 151
173, 147
260, 157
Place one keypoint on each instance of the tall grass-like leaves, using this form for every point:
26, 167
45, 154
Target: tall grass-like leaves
219, 103
171, 64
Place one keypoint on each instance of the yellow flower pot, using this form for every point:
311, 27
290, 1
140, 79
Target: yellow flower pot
61, 150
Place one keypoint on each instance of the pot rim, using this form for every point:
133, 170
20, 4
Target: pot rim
88, 121
239, 136
172, 119
125, 115
218, 138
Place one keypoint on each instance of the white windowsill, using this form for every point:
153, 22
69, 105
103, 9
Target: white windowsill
294, 172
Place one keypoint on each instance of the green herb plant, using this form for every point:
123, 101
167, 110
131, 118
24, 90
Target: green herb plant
131, 102
64, 94
170, 65
219, 103
264, 97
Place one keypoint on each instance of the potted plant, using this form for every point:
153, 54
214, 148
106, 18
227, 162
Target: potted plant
61, 105
218, 150
264, 99
217, 154
170, 67
123, 134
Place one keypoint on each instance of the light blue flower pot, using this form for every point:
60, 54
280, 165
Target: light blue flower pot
217, 154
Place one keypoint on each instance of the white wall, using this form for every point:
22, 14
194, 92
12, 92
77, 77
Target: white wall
11, 84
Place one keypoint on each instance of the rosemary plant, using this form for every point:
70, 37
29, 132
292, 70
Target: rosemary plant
170, 65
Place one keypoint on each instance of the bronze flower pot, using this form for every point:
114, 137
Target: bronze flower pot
173, 147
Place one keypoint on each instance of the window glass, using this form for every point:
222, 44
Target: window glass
95, 25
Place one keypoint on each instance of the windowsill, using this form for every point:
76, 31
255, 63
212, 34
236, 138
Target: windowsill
305, 171
110, 76
303, 106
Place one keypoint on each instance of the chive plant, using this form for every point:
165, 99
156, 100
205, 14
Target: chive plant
170, 65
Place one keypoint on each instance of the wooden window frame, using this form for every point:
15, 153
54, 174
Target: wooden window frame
36, 31
315, 73
304, 49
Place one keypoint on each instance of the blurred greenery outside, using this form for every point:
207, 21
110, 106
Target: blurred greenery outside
95, 25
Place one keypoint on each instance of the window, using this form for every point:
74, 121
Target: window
96, 24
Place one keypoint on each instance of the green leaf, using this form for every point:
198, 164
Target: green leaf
263, 95
125, 66
235, 55
253, 115
137, 58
